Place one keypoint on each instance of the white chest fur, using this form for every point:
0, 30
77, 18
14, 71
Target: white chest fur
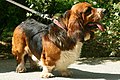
68, 57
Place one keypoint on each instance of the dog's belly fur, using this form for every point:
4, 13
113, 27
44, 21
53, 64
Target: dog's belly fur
68, 57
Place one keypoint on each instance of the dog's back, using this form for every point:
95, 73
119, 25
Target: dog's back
34, 32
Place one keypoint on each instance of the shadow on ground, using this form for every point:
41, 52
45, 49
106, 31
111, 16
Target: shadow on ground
7, 66
78, 74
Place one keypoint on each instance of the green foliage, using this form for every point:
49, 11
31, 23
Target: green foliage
50, 6
105, 44
112, 35
10, 17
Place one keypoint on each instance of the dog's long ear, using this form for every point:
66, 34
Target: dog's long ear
75, 27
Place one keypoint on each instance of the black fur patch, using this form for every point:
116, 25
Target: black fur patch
59, 37
34, 32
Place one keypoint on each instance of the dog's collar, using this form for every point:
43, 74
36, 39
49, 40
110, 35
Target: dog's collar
55, 21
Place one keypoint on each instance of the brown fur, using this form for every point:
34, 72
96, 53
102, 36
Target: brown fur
47, 43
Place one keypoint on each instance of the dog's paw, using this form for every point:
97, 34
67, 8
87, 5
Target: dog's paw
20, 68
66, 73
46, 75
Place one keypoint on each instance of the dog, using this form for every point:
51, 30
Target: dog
54, 47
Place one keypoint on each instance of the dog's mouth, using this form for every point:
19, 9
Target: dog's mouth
93, 25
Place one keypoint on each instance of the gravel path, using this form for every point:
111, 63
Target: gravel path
83, 69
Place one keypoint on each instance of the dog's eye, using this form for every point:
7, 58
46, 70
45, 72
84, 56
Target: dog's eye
88, 11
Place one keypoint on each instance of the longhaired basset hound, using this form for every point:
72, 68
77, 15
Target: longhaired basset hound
53, 47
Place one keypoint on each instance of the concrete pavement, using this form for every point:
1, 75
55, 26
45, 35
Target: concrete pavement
83, 69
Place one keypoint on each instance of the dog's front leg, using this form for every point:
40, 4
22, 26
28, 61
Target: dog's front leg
46, 73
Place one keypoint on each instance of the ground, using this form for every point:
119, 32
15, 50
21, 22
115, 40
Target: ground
83, 69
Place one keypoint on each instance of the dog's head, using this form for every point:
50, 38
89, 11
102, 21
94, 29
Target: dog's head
82, 19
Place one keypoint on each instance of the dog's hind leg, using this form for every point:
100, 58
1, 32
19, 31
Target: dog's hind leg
21, 66
20, 57
18, 49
